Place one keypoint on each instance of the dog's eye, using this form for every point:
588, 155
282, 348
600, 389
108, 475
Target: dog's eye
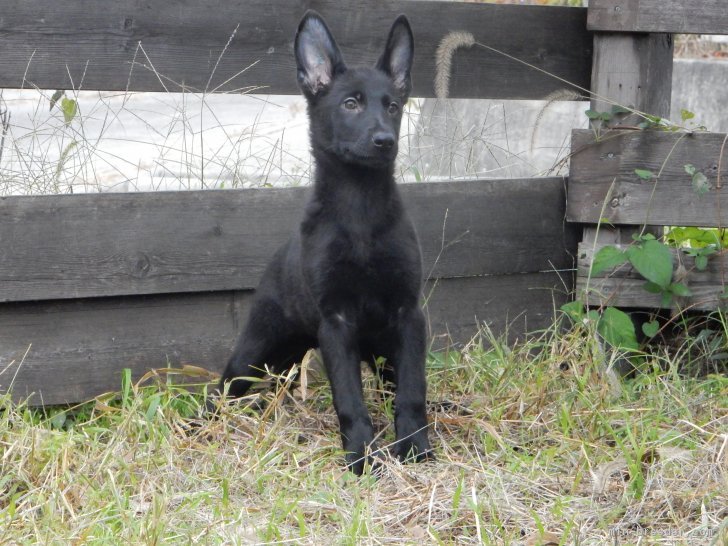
393, 108
351, 103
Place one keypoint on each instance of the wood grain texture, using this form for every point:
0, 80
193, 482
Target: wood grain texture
165, 45
603, 172
686, 272
165, 242
623, 286
633, 70
674, 16
630, 293
77, 349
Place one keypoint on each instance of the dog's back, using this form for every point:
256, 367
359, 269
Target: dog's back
349, 280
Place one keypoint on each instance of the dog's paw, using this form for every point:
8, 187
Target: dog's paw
372, 463
415, 450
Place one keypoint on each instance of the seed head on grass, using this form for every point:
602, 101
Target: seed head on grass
443, 59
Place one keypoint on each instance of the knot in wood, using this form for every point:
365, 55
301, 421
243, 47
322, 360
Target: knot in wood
141, 266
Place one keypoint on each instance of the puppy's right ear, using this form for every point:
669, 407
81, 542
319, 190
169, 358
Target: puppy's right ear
318, 58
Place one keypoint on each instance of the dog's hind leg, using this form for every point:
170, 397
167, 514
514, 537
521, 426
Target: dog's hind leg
267, 340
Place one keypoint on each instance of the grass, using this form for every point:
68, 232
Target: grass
535, 445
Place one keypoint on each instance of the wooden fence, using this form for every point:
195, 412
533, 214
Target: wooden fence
91, 284
633, 67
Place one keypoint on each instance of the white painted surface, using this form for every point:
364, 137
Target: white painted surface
169, 141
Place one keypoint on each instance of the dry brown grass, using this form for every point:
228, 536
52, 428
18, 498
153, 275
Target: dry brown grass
535, 446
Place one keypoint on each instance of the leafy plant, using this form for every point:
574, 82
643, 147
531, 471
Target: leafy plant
69, 107
696, 237
700, 181
613, 325
652, 259
644, 174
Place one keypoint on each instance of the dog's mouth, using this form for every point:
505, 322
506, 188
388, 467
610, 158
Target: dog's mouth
370, 157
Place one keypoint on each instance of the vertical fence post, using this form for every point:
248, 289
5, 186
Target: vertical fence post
633, 70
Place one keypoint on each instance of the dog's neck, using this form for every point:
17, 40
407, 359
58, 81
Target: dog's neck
352, 190
332, 175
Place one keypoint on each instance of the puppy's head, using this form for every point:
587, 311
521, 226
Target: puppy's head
355, 114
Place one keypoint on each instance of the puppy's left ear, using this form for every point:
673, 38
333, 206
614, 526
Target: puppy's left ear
396, 61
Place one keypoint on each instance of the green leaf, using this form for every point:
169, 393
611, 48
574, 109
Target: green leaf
593, 114
652, 288
418, 176
694, 236
700, 183
690, 169
607, 258
58, 420
701, 262
679, 289
644, 174
617, 329
686, 114
653, 119
574, 310
617, 109
54, 99
69, 108
651, 328
653, 260
154, 403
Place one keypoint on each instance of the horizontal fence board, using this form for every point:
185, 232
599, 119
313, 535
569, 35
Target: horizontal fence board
509, 305
676, 16
623, 286
70, 351
55, 247
77, 349
85, 44
626, 292
603, 183
713, 273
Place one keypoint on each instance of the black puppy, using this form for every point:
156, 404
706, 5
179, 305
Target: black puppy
349, 280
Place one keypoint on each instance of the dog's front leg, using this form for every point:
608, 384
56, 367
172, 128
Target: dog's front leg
410, 412
340, 351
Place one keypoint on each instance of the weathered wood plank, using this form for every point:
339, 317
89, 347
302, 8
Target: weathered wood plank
675, 16
623, 286
630, 293
178, 45
603, 172
146, 243
76, 349
510, 305
713, 274
633, 70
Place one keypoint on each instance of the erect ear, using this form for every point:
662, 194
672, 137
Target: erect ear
318, 58
396, 61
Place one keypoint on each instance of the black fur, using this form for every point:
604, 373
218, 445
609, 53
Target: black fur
349, 280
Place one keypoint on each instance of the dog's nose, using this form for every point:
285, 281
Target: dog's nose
383, 140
